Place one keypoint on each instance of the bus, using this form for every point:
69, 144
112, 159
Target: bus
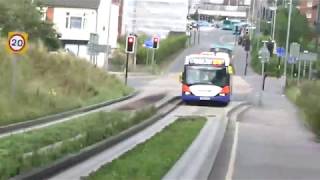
206, 78
229, 24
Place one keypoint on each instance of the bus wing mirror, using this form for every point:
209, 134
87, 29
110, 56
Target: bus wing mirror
230, 70
180, 77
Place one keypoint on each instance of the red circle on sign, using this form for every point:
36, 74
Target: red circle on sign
22, 47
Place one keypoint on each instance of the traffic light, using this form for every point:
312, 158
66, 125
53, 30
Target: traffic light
155, 42
130, 44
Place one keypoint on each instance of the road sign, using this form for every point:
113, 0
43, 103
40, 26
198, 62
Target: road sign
308, 56
17, 42
281, 52
148, 43
295, 49
264, 54
94, 38
292, 59
97, 48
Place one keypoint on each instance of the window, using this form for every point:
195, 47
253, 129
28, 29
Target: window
75, 22
308, 15
309, 3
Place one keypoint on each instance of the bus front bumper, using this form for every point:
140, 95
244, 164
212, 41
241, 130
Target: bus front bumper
192, 98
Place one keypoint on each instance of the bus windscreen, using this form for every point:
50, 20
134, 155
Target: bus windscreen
226, 22
206, 75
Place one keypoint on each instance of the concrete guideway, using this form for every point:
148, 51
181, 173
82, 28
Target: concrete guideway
198, 160
94, 163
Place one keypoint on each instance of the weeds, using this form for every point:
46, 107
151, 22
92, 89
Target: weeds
49, 83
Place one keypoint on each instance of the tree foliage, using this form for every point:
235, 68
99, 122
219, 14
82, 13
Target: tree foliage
22, 15
299, 32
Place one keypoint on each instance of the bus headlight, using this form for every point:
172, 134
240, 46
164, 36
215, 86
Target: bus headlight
187, 93
222, 94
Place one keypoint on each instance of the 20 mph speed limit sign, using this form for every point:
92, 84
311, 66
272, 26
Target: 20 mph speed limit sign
17, 42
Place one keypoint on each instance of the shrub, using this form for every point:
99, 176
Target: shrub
308, 101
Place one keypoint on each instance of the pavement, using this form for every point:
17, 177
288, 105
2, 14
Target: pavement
269, 141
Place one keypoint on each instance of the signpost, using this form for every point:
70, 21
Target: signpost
264, 57
94, 40
280, 53
308, 57
17, 44
295, 53
247, 46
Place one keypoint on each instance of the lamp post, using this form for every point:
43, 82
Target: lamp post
274, 19
287, 42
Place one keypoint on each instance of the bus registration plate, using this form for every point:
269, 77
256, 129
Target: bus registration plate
205, 98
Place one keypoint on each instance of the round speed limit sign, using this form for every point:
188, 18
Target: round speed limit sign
17, 42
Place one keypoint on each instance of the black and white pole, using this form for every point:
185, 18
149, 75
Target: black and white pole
126, 73
310, 70
264, 55
247, 49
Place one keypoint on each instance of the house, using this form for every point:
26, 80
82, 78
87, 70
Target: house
76, 20
154, 17
309, 8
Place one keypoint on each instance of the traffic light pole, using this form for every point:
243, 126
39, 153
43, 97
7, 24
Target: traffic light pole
246, 66
194, 37
127, 65
152, 60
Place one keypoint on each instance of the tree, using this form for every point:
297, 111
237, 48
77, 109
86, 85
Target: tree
21, 15
300, 30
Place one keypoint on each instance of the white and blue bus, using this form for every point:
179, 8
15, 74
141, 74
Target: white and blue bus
206, 78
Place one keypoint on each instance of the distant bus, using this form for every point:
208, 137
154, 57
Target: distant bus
206, 78
229, 24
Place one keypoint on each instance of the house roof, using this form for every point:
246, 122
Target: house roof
88, 4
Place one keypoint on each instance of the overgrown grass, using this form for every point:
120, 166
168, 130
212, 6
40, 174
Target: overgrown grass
153, 159
22, 152
307, 97
48, 83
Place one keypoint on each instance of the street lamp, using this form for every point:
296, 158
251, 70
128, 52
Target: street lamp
287, 43
274, 9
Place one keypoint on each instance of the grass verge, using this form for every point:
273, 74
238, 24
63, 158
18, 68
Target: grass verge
153, 159
49, 83
23, 152
306, 96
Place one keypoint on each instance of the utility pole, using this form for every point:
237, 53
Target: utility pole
287, 43
198, 26
106, 62
274, 19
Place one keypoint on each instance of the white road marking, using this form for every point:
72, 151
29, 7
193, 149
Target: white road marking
233, 153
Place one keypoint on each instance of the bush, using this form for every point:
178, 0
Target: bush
271, 68
308, 101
